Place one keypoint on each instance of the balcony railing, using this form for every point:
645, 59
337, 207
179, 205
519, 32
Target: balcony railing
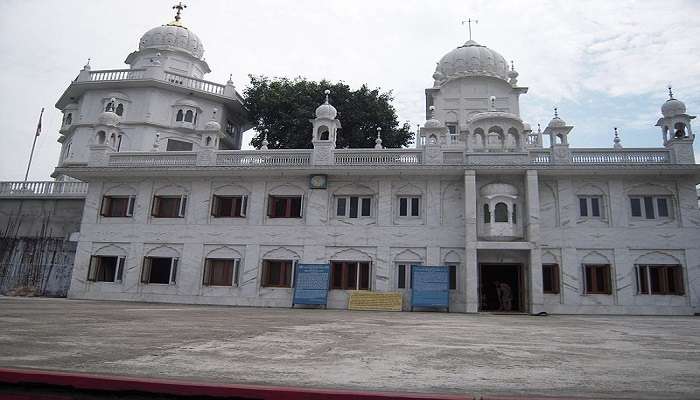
43, 189
169, 77
194, 83
624, 156
264, 158
116, 75
378, 157
540, 157
153, 159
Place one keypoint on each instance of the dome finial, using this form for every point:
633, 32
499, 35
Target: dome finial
670, 92
468, 22
264, 141
432, 112
556, 112
179, 7
378, 141
327, 92
512, 65
616, 140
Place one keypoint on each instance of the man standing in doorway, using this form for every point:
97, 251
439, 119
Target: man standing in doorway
506, 297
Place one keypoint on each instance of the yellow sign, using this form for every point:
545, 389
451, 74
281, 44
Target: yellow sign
374, 301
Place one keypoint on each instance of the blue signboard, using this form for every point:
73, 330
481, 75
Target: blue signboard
311, 283
431, 286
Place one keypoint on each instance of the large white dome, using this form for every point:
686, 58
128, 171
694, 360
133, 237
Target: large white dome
172, 37
471, 59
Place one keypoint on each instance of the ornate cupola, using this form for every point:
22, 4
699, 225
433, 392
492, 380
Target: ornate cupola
558, 132
325, 129
676, 130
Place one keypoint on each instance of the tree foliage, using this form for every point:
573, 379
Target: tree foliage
284, 107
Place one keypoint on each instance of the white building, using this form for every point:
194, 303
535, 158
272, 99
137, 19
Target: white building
175, 212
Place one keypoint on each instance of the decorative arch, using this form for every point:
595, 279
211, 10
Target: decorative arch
354, 189
171, 188
500, 212
589, 188
408, 255
163, 251
351, 254
409, 189
111, 250
286, 189
657, 257
452, 257
101, 137
120, 189
224, 252
648, 189
323, 133
549, 257
230, 189
595, 257
281, 253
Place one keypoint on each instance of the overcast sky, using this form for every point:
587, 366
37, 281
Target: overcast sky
603, 63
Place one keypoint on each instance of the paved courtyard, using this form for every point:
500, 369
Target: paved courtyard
587, 356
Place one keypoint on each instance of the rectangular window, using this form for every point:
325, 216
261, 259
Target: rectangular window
597, 279
353, 206
229, 206
660, 279
221, 272
284, 207
106, 269
117, 206
409, 206
651, 207
590, 206
162, 270
169, 206
178, 145
350, 275
277, 273
550, 278
453, 276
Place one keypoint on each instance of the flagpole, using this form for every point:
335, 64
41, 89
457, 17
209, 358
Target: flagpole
38, 130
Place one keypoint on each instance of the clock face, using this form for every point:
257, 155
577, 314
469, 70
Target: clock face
318, 181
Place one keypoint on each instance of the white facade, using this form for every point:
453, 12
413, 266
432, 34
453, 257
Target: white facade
606, 230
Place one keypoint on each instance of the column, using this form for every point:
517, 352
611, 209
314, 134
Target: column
532, 192
471, 275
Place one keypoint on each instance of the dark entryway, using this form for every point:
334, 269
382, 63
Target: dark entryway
506, 279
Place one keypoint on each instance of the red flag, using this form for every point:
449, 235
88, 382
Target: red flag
38, 126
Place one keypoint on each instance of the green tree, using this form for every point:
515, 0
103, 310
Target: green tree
284, 107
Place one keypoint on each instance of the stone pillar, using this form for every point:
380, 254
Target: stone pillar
98, 156
532, 192
623, 277
618, 204
248, 283
571, 280
471, 267
681, 150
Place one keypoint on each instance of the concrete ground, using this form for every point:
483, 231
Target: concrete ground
587, 356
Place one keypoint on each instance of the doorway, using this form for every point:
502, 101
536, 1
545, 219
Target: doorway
506, 279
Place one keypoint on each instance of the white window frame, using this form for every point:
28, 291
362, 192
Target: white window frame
129, 207
242, 210
347, 206
172, 276
589, 206
118, 272
647, 272
407, 272
181, 209
655, 206
235, 279
409, 206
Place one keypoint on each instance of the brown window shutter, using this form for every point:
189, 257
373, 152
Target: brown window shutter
146, 270
104, 206
92, 268
270, 205
265, 273
555, 278
173, 270
130, 206
206, 281
215, 206
244, 205
236, 272
155, 210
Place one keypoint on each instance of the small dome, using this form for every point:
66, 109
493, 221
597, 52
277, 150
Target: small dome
432, 123
672, 107
526, 127
108, 118
172, 36
326, 110
499, 189
212, 126
557, 122
472, 59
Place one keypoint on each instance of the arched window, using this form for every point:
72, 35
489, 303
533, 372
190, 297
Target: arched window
179, 116
432, 139
501, 212
680, 130
208, 141
487, 214
120, 109
69, 118
323, 132
109, 106
101, 137
189, 115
